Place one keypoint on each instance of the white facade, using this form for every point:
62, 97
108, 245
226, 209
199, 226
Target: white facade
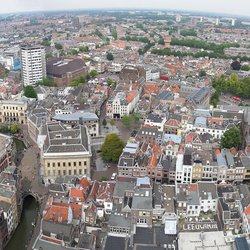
183, 172
120, 107
217, 133
33, 65
159, 125
152, 75
8, 215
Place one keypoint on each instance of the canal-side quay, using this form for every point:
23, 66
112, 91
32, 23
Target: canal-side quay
33, 195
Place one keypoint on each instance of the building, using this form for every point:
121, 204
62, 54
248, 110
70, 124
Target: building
37, 118
203, 240
64, 70
90, 120
33, 64
123, 103
13, 112
65, 151
178, 18
237, 51
3, 230
6, 143
155, 121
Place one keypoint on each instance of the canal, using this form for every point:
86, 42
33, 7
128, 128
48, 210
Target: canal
23, 233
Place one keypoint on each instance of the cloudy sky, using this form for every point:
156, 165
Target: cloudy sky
239, 7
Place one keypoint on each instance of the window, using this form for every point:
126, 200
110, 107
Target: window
64, 172
74, 171
48, 172
48, 164
80, 163
59, 172
69, 172
85, 163
85, 171
74, 164
58, 164
69, 164
53, 164
80, 171
64, 164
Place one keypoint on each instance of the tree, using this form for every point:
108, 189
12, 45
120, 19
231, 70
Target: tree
93, 73
58, 46
47, 82
235, 65
104, 122
112, 122
140, 51
73, 52
104, 178
29, 92
84, 49
110, 56
111, 83
14, 128
245, 67
127, 121
202, 73
161, 41
112, 148
231, 138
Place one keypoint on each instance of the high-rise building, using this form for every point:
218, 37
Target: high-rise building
33, 64
217, 22
178, 18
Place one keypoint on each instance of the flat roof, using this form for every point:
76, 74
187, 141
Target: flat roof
203, 241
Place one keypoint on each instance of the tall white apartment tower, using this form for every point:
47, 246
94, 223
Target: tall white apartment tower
33, 64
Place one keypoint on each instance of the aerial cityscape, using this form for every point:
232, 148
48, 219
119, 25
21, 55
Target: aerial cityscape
124, 125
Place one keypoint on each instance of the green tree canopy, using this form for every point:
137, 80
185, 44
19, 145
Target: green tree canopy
127, 121
93, 73
47, 82
110, 56
58, 46
161, 41
14, 128
231, 138
202, 73
84, 49
112, 148
30, 92
190, 32
245, 67
104, 122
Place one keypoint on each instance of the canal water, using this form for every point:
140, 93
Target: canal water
23, 233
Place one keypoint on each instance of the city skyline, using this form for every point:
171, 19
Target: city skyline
223, 6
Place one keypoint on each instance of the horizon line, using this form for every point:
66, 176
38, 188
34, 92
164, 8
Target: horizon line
124, 9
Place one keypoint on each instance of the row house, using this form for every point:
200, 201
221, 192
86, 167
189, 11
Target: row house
228, 207
171, 144
123, 103
201, 197
133, 197
6, 147
155, 121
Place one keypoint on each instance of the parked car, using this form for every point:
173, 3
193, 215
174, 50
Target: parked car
113, 176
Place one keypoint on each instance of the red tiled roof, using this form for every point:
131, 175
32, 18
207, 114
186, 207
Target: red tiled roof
131, 95
77, 194
105, 191
57, 214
